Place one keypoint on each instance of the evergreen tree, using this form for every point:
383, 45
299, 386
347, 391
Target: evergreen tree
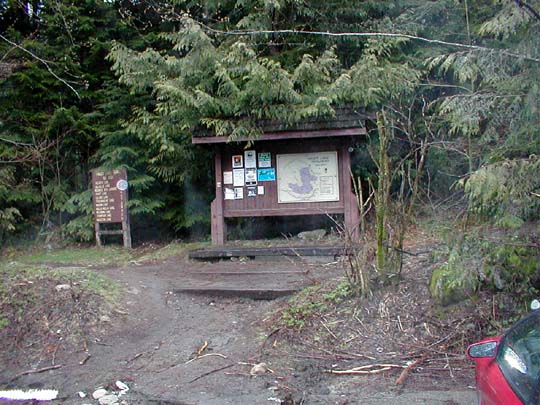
186, 66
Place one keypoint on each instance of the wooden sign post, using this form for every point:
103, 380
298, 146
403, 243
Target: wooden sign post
110, 195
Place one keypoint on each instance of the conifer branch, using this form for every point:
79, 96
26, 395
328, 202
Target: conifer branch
369, 34
529, 8
44, 62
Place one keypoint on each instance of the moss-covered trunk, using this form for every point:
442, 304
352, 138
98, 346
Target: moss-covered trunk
382, 194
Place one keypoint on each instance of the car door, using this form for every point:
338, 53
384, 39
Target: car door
518, 359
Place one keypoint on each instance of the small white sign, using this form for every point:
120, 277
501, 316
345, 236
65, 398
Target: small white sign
122, 185
237, 161
251, 177
260, 190
238, 177
229, 193
265, 159
227, 178
238, 193
250, 157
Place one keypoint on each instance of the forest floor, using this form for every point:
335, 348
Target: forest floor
171, 348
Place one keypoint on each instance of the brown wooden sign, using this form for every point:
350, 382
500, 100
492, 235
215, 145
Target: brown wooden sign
110, 196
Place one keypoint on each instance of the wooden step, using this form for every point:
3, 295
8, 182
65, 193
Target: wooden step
293, 251
253, 293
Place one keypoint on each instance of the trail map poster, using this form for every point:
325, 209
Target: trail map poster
307, 177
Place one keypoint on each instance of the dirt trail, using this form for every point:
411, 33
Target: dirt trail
150, 348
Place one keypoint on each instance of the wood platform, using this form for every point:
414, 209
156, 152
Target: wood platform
224, 252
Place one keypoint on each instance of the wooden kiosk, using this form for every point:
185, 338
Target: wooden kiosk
296, 170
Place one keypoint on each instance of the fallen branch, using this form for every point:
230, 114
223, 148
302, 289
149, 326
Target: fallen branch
151, 352
202, 349
407, 370
366, 369
103, 344
341, 354
211, 372
329, 331
39, 370
135, 357
206, 355
269, 336
239, 374
355, 355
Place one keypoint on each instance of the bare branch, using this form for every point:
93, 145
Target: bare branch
43, 61
368, 34
15, 143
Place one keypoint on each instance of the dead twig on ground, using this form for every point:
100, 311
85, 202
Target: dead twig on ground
39, 370
269, 336
407, 370
449, 367
367, 369
135, 357
151, 352
355, 355
239, 374
201, 349
211, 372
100, 343
207, 355
342, 354
313, 356
329, 331
86, 358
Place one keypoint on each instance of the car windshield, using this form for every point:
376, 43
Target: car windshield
519, 358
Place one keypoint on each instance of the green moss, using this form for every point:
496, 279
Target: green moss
450, 284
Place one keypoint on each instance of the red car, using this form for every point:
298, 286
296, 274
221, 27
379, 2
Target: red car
508, 366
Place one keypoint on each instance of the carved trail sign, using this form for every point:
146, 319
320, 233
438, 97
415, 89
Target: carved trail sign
110, 196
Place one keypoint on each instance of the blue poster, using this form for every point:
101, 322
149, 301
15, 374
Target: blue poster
266, 174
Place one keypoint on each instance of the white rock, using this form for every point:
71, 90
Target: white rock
104, 318
108, 399
100, 392
81, 394
316, 234
258, 369
62, 287
122, 387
